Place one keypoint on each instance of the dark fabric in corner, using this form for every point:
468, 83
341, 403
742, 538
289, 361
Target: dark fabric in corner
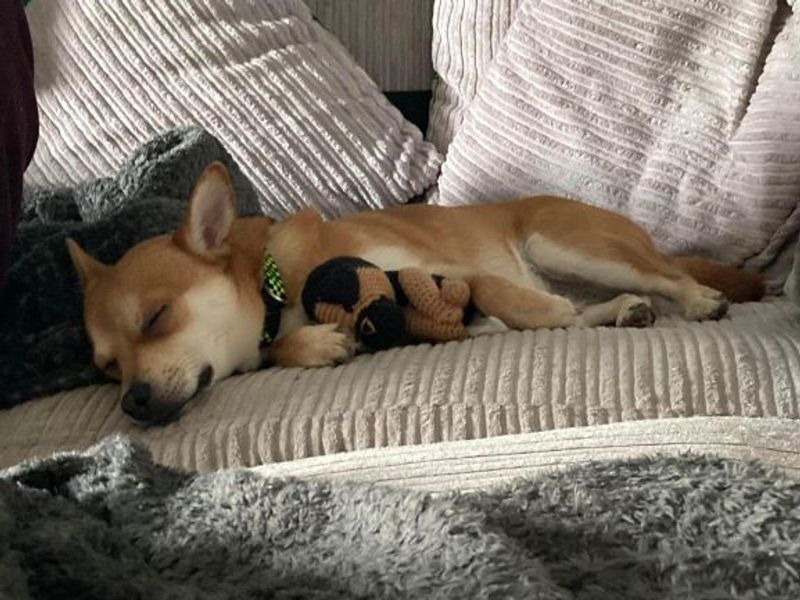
19, 119
415, 106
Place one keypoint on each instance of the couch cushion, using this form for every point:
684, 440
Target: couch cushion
390, 39
468, 465
686, 118
516, 382
304, 122
466, 36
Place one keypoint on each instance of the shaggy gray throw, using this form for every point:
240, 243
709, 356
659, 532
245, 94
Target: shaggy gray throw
111, 524
43, 346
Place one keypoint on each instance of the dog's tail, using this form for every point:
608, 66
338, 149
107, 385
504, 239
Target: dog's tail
738, 285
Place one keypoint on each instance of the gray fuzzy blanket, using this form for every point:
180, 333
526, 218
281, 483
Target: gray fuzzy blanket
111, 524
43, 347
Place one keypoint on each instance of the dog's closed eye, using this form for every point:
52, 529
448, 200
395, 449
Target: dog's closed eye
153, 319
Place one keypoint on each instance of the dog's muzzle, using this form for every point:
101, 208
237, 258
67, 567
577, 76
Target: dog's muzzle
140, 403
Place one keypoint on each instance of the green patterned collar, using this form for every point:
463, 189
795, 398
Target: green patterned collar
273, 293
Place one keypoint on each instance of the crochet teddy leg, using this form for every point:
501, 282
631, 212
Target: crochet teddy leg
424, 295
455, 292
424, 328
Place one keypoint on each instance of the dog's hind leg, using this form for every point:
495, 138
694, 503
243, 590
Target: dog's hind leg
566, 238
625, 264
520, 307
525, 308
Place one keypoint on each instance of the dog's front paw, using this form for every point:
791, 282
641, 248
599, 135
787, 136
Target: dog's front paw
314, 346
329, 345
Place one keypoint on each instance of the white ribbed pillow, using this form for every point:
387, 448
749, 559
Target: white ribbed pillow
305, 123
663, 111
466, 36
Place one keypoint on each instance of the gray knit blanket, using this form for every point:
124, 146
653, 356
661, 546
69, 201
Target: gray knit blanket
43, 346
111, 524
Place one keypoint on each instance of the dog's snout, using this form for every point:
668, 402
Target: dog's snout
159, 400
139, 393
136, 399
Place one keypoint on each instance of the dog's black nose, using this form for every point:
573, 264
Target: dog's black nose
136, 399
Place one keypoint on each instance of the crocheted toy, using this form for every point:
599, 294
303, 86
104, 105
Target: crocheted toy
387, 308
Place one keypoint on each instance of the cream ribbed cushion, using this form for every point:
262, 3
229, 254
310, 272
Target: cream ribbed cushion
664, 111
306, 124
391, 39
483, 463
466, 36
746, 366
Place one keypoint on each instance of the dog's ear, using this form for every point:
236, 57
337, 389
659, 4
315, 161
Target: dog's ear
212, 210
88, 268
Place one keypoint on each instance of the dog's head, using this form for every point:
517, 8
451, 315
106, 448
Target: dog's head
177, 312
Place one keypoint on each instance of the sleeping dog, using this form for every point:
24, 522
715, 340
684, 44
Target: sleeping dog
179, 312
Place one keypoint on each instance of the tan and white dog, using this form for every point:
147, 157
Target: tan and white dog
181, 311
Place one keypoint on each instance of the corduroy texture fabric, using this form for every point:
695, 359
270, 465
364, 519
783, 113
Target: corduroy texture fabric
508, 383
391, 40
482, 463
669, 113
305, 123
792, 286
466, 36
111, 524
